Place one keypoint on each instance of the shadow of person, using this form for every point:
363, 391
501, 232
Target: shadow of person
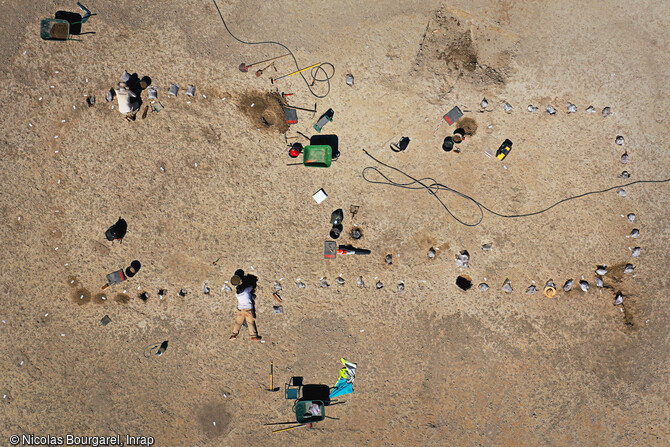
247, 281
250, 281
74, 19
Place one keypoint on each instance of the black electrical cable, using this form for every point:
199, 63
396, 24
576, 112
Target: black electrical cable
314, 72
433, 187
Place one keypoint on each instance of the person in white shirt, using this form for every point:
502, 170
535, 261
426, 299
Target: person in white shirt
246, 310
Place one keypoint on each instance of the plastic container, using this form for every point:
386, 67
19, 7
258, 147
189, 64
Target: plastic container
448, 144
317, 156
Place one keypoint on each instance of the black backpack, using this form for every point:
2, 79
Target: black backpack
117, 231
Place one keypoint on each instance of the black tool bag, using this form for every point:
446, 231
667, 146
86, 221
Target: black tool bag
402, 145
117, 231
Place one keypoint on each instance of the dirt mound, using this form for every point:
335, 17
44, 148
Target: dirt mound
455, 47
265, 110
469, 125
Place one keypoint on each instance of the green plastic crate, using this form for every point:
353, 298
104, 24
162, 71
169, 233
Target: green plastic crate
317, 156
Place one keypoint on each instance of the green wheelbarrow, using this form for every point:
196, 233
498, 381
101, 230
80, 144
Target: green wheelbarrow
55, 29
309, 411
59, 28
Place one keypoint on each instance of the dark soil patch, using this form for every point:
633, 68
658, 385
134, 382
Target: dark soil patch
73, 282
100, 298
214, 420
265, 110
122, 298
460, 54
81, 296
469, 125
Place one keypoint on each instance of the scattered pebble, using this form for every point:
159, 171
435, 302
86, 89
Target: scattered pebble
618, 299
572, 108
635, 233
607, 111
584, 285
388, 259
190, 90
619, 140
551, 110
629, 268
277, 286
205, 289
507, 286
463, 259
324, 283
182, 292
568, 285
625, 174
483, 287
401, 287
356, 233
340, 280
507, 107
531, 290
349, 79
431, 253
601, 270
621, 192
301, 285
484, 104
487, 247
379, 285
625, 158
599, 281
360, 282
590, 109
631, 217
636, 252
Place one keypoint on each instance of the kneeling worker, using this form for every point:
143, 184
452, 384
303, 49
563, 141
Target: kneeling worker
245, 308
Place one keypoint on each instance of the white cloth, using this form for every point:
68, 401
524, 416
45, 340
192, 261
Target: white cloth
245, 299
126, 100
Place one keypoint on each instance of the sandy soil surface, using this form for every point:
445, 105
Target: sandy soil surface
205, 189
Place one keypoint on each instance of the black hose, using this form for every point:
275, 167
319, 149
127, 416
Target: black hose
314, 72
433, 187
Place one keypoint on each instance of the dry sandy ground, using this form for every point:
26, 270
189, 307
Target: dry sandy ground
437, 365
